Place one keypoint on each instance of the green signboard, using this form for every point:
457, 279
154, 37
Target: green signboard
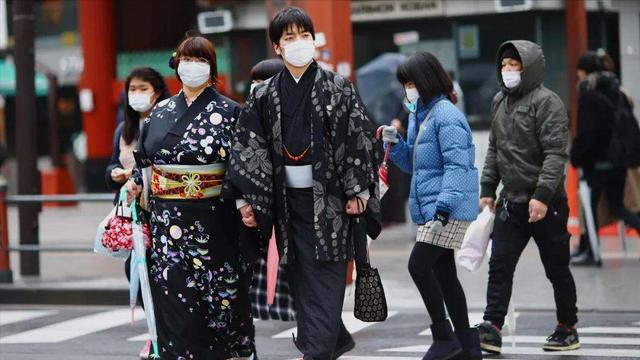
8, 80
159, 60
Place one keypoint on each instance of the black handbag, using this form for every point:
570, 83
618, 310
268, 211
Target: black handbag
370, 303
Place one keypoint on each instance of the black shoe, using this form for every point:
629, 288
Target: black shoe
470, 341
345, 343
563, 339
445, 343
490, 337
585, 258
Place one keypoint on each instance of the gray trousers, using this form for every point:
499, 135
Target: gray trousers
318, 286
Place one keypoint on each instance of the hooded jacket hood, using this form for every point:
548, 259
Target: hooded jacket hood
533, 65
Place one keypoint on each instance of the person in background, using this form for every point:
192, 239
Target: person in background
527, 152
599, 102
458, 91
263, 71
439, 153
145, 87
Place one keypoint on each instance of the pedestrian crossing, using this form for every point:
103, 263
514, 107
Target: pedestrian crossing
14, 316
61, 326
70, 329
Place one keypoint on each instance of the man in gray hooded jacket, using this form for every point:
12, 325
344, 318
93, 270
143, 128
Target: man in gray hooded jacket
527, 152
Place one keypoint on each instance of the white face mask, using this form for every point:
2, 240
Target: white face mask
299, 53
511, 79
140, 102
412, 95
193, 73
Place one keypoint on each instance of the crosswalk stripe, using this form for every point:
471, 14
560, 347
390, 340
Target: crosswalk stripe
538, 351
14, 316
139, 338
350, 322
73, 328
610, 330
585, 340
474, 318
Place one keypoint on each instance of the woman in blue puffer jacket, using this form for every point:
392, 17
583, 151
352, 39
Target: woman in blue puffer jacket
439, 153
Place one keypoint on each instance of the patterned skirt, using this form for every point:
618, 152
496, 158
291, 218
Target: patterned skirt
450, 237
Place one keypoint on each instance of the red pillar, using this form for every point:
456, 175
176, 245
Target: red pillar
97, 30
333, 18
577, 43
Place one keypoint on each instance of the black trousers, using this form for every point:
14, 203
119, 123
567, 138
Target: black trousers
611, 182
511, 233
318, 286
433, 270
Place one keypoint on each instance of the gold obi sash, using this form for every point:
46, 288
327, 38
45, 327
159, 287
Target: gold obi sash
187, 181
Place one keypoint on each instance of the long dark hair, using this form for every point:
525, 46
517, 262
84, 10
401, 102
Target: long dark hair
424, 70
132, 117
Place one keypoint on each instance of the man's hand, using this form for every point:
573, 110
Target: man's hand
356, 205
133, 190
248, 218
488, 201
537, 210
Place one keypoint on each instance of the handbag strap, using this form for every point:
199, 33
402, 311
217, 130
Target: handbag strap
359, 234
122, 199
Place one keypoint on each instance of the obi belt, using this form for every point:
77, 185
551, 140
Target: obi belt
179, 182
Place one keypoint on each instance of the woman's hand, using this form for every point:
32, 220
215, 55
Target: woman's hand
120, 175
248, 218
356, 205
133, 190
390, 135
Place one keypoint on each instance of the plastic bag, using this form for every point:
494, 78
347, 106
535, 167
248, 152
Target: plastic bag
476, 241
114, 236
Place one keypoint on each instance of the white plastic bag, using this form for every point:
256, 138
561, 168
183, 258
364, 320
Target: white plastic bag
476, 241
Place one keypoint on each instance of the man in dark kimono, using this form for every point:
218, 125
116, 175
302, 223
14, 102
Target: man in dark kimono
302, 159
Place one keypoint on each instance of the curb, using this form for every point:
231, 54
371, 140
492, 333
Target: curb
63, 296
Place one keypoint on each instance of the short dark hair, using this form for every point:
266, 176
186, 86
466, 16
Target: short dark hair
607, 62
424, 70
266, 69
589, 62
198, 46
131, 117
286, 18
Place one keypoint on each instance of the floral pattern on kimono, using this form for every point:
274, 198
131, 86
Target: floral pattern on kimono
198, 277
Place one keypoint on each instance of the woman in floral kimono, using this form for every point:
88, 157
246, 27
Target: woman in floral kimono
199, 278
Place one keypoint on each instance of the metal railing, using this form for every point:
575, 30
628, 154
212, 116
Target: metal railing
16, 200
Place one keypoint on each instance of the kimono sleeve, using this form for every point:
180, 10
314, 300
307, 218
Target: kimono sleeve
249, 173
353, 147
